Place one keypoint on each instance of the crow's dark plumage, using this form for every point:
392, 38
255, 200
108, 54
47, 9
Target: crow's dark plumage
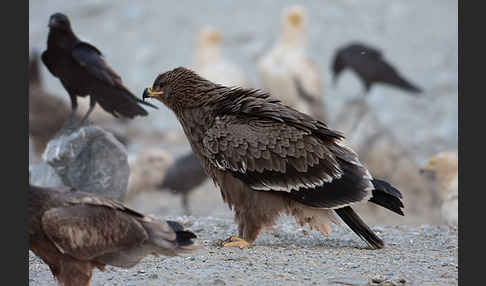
83, 71
370, 66
73, 232
47, 112
183, 176
269, 159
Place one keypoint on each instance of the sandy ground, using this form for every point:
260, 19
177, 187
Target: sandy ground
291, 255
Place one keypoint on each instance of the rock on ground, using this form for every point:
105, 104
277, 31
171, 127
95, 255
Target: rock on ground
41, 174
288, 254
91, 160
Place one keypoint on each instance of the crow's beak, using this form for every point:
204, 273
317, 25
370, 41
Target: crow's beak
148, 93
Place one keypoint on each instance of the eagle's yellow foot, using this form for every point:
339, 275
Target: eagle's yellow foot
236, 241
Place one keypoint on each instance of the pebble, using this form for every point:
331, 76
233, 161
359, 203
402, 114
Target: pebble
218, 282
153, 276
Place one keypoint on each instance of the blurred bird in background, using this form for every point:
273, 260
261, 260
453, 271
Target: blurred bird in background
286, 70
146, 171
183, 176
74, 232
209, 61
83, 71
443, 168
370, 66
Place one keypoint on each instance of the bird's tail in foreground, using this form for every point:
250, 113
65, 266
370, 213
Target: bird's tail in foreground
359, 227
161, 242
183, 237
387, 196
384, 195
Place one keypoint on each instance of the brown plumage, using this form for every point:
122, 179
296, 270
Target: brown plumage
269, 159
47, 112
73, 232
83, 71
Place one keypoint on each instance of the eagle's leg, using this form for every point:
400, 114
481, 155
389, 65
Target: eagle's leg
236, 241
249, 226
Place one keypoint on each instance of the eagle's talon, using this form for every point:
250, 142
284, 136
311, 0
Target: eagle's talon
233, 241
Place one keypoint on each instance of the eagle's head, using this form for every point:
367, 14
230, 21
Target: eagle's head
178, 89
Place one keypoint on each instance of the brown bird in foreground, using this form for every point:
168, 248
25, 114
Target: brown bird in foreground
83, 71
269, 159
73, 232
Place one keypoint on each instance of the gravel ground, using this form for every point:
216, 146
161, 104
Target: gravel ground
288, 254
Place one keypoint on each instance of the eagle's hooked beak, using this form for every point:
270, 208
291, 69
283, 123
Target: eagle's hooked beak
147, 93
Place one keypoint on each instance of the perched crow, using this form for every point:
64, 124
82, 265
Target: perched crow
74, 232
183, 176
370, 66
47, 112
82, 71
270, 159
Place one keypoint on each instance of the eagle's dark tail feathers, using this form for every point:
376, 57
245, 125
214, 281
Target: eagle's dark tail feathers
359, 227
387, 196
384, 195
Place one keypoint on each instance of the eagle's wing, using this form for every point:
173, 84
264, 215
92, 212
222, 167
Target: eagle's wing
88, 226
269, 155
92, 60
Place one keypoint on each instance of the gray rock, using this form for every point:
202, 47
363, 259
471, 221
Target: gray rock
91, 160
41, 174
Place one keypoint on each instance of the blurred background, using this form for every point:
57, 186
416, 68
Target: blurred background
394, 132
